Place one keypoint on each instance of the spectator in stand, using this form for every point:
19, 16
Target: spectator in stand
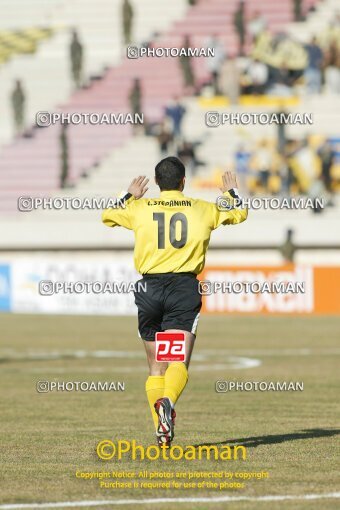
18, 104
305, 165
164, 139
192, 2
314, 65
215, 62
297, 5
175, 112
64, 156
187, 153
264, 164
256, 25
76, 54
239, 24
127, 19
288, 248
327, 156
229, 80
281, 132
282, 81
285, 173
186, 65
332, 69
258, 74
135, 99
242, 159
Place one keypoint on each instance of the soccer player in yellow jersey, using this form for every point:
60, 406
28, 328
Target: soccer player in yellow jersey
172, 234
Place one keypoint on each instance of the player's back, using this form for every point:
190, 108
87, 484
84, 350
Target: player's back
172, 232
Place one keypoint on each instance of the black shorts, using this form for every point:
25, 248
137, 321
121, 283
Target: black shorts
171, 301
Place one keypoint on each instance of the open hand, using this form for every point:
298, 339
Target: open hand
228, 181
138, 187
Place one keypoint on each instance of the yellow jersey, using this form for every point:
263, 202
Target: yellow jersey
172, 232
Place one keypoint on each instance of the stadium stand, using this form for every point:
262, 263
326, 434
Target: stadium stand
117, 155
46, 74
111, 92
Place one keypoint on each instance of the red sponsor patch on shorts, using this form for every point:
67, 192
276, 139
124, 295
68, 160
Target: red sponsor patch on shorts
170, 347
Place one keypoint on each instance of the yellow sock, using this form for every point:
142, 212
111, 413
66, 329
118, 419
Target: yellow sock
154, 388
176, 378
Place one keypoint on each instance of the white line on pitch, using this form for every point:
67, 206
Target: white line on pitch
219, 499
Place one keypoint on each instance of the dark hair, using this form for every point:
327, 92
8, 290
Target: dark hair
169, 173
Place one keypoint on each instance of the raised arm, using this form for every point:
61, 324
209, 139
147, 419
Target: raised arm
229, 209
121, 216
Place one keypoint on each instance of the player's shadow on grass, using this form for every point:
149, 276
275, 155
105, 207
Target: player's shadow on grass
253, 442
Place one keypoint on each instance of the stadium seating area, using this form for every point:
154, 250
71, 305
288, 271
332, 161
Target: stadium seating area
46, 75
31, 166
161, 80
216, 17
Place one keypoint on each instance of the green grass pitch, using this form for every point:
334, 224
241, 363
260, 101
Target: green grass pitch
47, 437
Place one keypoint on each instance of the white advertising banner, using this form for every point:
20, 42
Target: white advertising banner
73, 287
